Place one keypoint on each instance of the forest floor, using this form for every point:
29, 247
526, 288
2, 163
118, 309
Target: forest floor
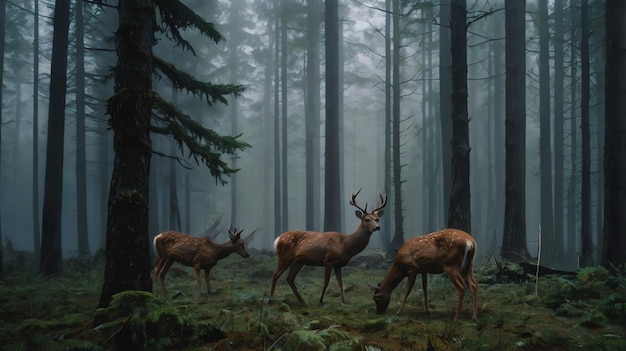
586, 311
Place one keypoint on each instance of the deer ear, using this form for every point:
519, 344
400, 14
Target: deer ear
359, 214
379, 213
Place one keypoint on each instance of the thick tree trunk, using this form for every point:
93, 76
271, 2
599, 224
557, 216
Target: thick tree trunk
81, 158
398, 235
459, 215
332, 207
51, 252
615, 143
312, 111
559, 121
127, 249
514, 235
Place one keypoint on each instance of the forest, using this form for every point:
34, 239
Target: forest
241, 120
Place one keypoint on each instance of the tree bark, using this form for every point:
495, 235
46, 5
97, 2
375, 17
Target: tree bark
312, 111
81, 158
614, 254
545, 142
332, 206
51, 252
127, 249
459, 214
585, 218
514, 234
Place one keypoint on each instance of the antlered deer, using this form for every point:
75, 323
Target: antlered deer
197, 252
333, 250
450, 250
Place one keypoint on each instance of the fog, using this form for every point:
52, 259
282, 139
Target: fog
363, 121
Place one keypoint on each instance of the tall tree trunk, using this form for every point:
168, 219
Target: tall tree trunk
127, 264
312, 111
387, 147
445, 94
545, 142
332, 205
51, 252
514, 234
572, 186
459, 215
172, 184
559, 121
284, 79
614, 254
600, 122
3, 16
278, 223
398, 237
36, 215
81, 158
585, 218
233, 49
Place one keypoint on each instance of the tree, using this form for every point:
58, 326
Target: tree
445, 93
459, 215
585, 218
559, 178
136, 110
312, 115
35, 186
545, 142
51, 254
398, 234
614, 254
332, 206
3, 16
81, 162
514, 234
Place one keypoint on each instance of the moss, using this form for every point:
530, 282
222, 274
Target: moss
132, 196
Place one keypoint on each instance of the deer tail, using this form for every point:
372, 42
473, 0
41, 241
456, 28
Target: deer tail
468, 258
276, 243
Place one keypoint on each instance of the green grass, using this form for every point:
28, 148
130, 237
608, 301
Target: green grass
586, 312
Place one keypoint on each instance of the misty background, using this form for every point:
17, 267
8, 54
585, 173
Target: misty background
186, 197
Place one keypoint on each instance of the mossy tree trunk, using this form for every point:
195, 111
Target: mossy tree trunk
127, 246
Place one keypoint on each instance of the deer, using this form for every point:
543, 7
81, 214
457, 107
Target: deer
449, 251
197, 252
332, 250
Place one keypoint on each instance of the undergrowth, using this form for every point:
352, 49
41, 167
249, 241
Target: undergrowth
582, 312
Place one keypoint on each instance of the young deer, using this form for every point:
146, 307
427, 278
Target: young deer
333, 250
450, 250
197, 252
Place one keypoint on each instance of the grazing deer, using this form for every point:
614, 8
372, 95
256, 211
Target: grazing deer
197, 252
333, 250
450, 250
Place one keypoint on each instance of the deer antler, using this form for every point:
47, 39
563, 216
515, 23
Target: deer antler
381, 203
234, 233
353, 201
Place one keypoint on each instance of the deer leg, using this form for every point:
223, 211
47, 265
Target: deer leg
281, 268
155, 271
340, 282
327, 269
459, 283
164, 268
196, 268
206, 278
409, 286
425, 287
293, 271
473, 285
